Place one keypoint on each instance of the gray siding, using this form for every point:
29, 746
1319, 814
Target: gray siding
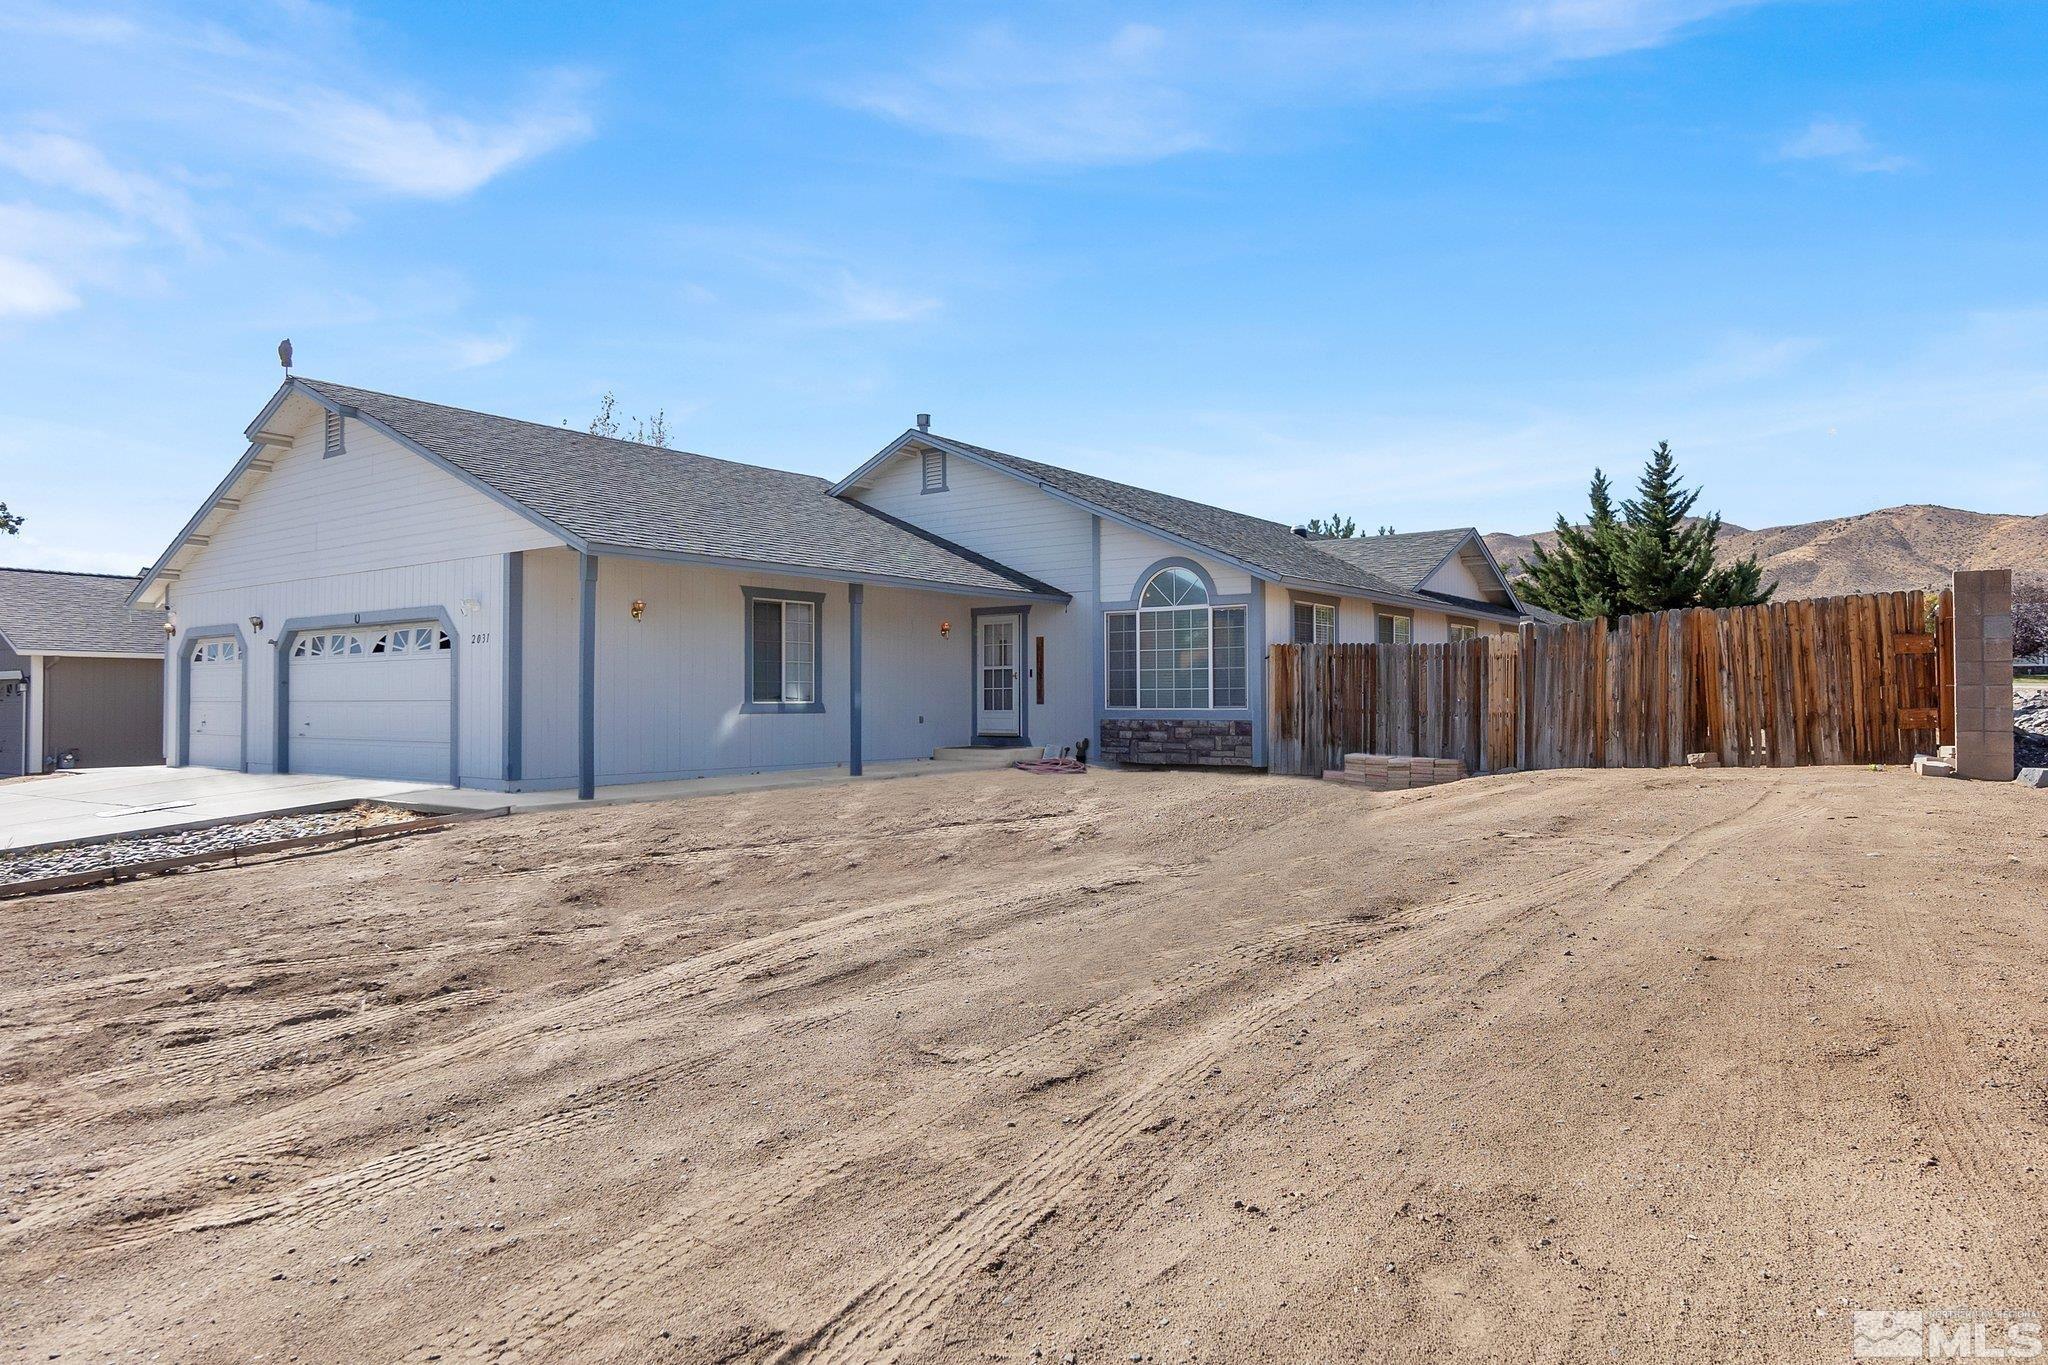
13, 714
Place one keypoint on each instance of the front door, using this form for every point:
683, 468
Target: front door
996, 690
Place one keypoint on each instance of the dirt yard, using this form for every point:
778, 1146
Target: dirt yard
1575, 1067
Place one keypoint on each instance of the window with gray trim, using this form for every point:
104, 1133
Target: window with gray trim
1390, 629
1176, 652
1462, 631
784, 639
1315, 623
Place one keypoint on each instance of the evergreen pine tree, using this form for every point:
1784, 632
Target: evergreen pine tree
1579, 577
1663, 561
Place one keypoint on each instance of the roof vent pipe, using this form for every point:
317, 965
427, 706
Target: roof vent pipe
924, 421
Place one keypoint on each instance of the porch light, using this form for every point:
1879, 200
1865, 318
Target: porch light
945, 629
639, 608
255, 623
170, 628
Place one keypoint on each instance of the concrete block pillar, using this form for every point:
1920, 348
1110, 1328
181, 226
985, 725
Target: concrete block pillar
1983, 662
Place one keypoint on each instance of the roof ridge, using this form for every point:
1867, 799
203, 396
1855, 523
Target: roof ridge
563, 428
71, 573
1101, 478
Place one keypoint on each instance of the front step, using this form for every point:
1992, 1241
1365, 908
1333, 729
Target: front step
983, 756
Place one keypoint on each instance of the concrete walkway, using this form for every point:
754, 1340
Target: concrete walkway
954, 761
92, 803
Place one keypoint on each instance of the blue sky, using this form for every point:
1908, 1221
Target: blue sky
1425, 264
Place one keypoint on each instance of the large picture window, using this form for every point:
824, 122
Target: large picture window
1177, 651
782, 652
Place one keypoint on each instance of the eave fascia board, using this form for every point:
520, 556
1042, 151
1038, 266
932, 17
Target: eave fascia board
787, 570
139, 596
1506, 585
92, 653
878, 459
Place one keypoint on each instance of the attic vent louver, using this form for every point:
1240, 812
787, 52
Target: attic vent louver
333, 446
934, 471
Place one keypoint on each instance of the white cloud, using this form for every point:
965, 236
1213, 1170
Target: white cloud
60, 161
475, 352
1105, 101
249, 130
1134, 92
403, 148
28, 290
860, 301
1845, 144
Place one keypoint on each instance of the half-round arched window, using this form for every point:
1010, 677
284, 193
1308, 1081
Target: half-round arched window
1173, 587
1176, 651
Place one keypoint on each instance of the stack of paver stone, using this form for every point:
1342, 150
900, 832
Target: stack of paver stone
1392, 773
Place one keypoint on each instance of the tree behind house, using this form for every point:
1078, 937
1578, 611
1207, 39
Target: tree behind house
1336, 526
650, 431
1653, 556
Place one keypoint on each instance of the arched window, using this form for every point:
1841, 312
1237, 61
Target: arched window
1176, 651
1173, 588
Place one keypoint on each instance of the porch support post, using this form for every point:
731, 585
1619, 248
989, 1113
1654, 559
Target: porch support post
586, 677
855, 593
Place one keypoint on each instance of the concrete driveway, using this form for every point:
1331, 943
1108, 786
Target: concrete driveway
92, 803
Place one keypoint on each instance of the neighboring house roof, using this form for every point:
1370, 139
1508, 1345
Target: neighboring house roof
610, 495
1544, 616
44, 611
1268, 548
1407, 558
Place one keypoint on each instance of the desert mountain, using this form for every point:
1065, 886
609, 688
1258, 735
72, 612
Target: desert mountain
1882, 551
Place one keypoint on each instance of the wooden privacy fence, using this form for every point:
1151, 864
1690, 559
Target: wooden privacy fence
1830, 680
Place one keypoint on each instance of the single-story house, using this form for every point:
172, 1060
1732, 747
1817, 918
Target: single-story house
81, 673
388, 587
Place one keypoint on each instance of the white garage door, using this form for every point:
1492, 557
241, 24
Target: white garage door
371, 701
213, 711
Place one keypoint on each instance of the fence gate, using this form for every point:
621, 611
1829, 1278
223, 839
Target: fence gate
1830, 680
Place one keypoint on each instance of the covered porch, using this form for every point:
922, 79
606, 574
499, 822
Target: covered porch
687, 672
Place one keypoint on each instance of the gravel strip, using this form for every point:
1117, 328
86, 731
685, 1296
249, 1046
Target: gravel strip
148, 848
2030, 729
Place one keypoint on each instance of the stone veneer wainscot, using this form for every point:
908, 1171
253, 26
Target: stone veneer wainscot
1205, 743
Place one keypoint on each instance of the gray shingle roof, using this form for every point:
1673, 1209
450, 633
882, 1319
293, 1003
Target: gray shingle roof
1268, 546
1405, 559
45, 611
622, 493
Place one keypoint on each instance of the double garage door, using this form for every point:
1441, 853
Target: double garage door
372, 701
367, 701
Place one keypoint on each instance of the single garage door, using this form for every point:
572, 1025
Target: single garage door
213, 703
372, 701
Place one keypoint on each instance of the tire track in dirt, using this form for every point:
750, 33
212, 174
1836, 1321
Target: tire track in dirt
1933, 1062
660, 1251
655, 1001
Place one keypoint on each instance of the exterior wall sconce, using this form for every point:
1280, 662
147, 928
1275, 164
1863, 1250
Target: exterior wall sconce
639, 608
170, 629
255, 623
945, 629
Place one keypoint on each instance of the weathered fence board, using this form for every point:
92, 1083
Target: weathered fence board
1831, 680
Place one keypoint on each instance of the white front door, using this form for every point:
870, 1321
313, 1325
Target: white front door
996, 676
